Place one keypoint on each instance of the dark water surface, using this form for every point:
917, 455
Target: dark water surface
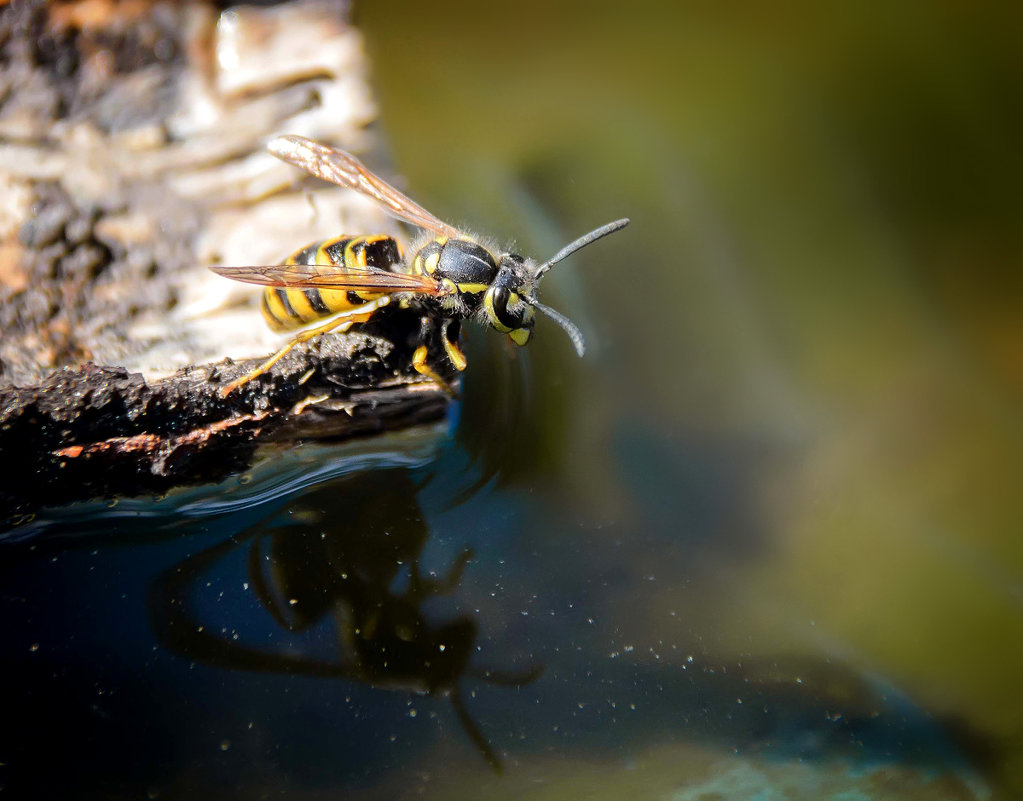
399, 622
761, 543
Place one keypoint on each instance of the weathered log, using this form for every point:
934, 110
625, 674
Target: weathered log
131, 155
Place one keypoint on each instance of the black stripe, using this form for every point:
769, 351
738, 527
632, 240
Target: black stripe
306, 255
382, 254
336, 250
357, 246
313, 296
353, 298
282, 296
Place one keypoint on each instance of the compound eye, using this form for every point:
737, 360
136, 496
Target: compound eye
501, 298
496, 304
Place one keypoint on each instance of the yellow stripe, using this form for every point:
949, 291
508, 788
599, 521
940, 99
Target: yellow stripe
275, 314
302, 307
337, 300
322, 257
267, 314
431, 263
351, 258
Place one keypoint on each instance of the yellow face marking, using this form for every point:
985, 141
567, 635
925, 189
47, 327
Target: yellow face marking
520, 336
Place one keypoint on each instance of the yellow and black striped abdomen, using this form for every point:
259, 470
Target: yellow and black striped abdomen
288, 309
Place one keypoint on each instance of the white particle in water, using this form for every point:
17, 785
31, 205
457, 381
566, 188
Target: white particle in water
225, 744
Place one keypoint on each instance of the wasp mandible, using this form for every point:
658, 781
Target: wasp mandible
330, 286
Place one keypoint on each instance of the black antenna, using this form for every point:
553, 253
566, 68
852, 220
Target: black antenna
570, 328
569, 249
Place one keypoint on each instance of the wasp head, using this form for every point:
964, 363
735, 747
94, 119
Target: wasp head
505, 302
511, 304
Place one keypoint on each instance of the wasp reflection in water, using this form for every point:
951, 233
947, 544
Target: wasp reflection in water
303, 573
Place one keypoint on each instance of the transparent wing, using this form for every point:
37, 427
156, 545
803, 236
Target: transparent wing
315, 276
345, 170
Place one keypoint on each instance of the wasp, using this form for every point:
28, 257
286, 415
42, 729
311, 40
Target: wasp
330, 286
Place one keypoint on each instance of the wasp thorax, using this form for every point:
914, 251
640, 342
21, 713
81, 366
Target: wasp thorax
465, 262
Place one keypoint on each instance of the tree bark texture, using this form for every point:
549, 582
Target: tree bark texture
132, 155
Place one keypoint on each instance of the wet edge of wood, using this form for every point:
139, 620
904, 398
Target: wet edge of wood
101, 431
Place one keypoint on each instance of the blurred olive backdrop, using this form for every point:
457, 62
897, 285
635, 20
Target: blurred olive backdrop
822, 283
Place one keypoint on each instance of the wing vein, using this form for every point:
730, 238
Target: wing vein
343, 169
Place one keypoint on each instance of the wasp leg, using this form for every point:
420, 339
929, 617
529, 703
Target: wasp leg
419, 362
339, 323
451, 346
428, 326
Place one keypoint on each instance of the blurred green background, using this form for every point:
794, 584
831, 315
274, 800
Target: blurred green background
822, 283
